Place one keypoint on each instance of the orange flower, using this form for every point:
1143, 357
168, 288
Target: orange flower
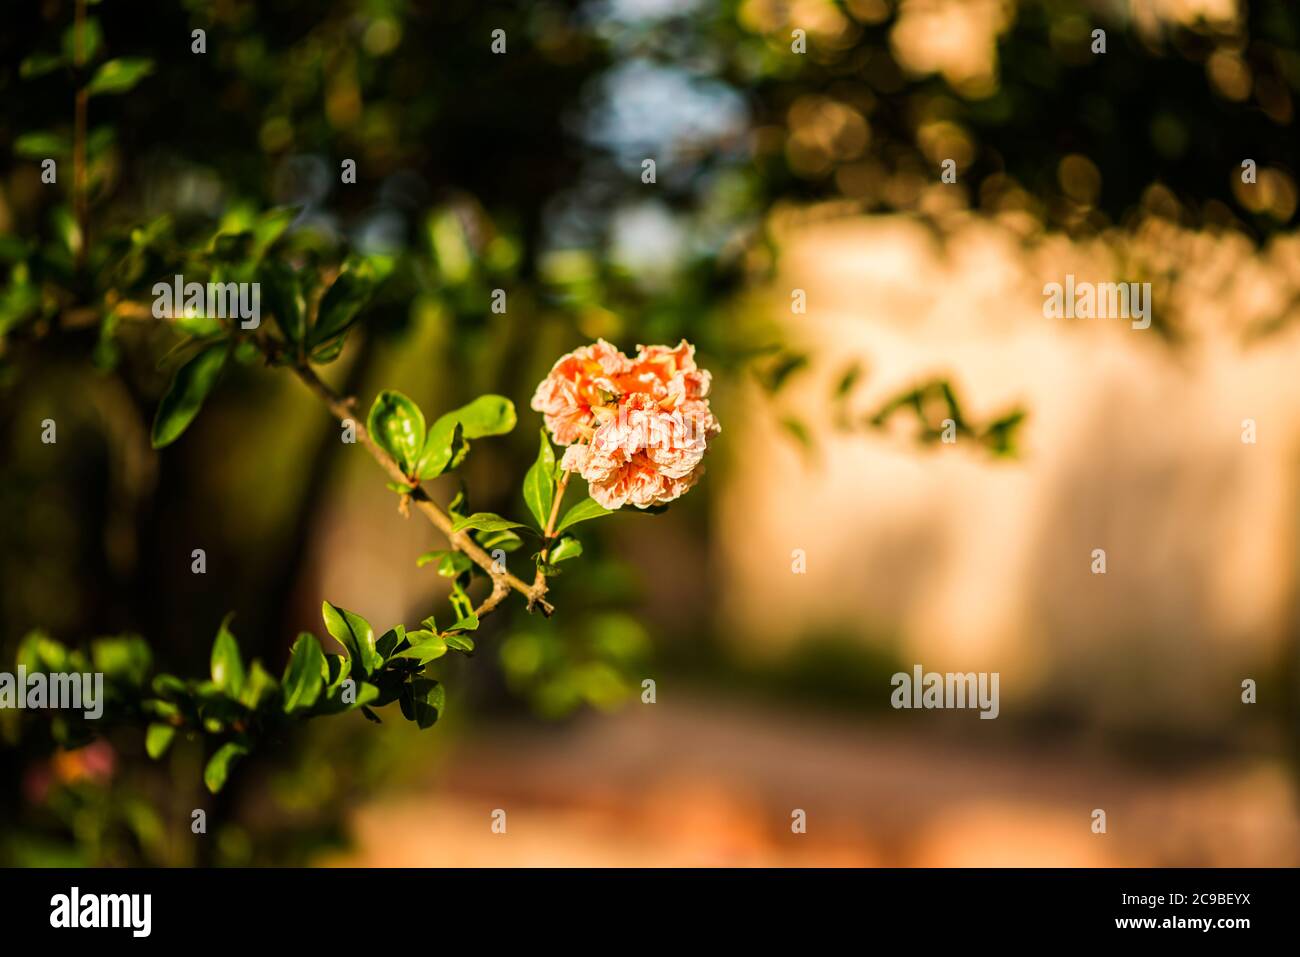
646, 421
579, 382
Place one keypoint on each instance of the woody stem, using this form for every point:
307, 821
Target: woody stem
539, 580
502, 581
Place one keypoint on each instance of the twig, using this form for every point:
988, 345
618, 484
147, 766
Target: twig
344, 409
539, 580
500, 589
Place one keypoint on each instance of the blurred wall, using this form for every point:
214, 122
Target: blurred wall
1133, 444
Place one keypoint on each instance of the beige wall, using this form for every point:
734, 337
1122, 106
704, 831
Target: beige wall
1132, 445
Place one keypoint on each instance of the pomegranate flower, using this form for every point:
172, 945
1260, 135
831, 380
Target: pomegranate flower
636, 428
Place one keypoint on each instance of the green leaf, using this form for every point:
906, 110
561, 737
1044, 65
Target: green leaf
282, 298
425, 647
159, 708
355, 634
100, 139
584, 511
460, 603
39, 652
42, 144
227, 667
848, 379
270, 226
423, 701
389, 640
157, 739
366, 694
247, 353
258, 687
39, 64
169, 686
328, 353
190, 386
798, 430
539, 483
120, 75
344, 299
126, 659
484, 521
486, 415
459, 642
81, 45
467, 623
504, 539
454, 564
218, 769
566, 548
337, 669
397, 424
450, 563
457, 506
304, 676
445, 442
775, 376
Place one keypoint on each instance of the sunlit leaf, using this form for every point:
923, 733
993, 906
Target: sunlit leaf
467, 623
441, 448
486, 415
227, 666
566, 548
119, 75
584, 511
539, 483
397, 425
304, 676
355, 634
425, 647
218, 768
386, 643
485, 521
459, 642
157, 739
42, 144
259, 687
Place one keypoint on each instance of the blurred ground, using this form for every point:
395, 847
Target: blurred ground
696, 783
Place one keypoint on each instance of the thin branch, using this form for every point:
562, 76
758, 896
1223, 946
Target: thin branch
500, 589
539, 580
343, 409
